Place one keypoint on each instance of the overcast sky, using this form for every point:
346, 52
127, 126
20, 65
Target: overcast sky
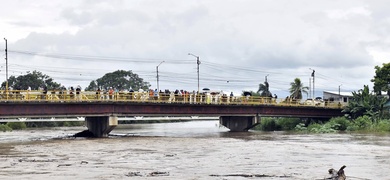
239, 42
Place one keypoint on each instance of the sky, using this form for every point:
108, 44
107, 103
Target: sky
240, 43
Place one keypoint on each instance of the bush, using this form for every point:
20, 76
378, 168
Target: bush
16, 125
269, 124
300, 127
339, 123
325, 128
381, 126
5, 128
288, 123
362, 123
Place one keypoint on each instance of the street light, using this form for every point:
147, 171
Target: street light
339, 92
313, 75
266, 77
197, 62
6, 66
158, 87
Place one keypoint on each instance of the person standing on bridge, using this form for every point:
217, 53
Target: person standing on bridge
28, 93
110, 93
44, 92
98, 93
78, 93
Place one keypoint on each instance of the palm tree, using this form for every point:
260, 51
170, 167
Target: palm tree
297, 89
264, 90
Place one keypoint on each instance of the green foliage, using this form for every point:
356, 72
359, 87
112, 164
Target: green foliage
361, 123
269, 124
326, 128
277, 124
381, 78
332, 126
16, 125
381, 126
288, 123
300, 127
339, 123
35, 80
4, 128
297, 89
121, 80
365, 103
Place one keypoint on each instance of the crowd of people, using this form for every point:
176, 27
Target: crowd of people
154, 95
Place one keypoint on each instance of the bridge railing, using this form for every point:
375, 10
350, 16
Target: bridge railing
145, 97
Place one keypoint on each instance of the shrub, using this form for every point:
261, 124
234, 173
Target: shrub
288, 123
16, 125
381, 126
5, 128
339, 123
362, 123
269, 124
318, 128
300, 127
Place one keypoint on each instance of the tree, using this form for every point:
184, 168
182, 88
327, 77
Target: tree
35, 80
382, 79
297, 89
264, 90
121, 80
365, 103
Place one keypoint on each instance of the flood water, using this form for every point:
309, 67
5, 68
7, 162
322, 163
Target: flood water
190, 150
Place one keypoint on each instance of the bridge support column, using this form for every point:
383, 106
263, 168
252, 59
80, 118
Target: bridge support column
102, 125
239, 123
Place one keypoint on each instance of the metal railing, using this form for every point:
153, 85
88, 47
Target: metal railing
146, 97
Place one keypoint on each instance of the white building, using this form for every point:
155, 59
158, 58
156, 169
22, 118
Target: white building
336, 96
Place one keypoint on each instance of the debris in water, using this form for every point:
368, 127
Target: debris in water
158, 173
64, 165
337, 175
131, 174
85, 133
84, 162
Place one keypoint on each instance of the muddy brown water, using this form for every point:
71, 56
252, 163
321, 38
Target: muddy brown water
190, 150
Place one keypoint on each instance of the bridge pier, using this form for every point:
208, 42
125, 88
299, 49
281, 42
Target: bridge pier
239, 123
100, 126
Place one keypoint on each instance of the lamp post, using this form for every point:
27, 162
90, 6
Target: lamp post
266, 77
197, 62
6, 66
313, 75
158, 87
339, 92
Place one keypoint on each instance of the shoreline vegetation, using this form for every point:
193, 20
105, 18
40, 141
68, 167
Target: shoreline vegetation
334, 125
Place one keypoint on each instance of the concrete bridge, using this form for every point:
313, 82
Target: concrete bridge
102, 116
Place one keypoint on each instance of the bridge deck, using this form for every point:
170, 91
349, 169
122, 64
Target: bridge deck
65, 104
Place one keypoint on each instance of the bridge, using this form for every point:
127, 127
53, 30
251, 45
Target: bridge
101, 111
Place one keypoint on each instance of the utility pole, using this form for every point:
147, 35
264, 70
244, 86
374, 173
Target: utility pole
339, 92
158, 87
6, 66
310, 88
313, 75
197, 62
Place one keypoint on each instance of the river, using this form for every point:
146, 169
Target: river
190, 150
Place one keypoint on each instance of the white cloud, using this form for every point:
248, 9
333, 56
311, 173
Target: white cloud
342, 40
